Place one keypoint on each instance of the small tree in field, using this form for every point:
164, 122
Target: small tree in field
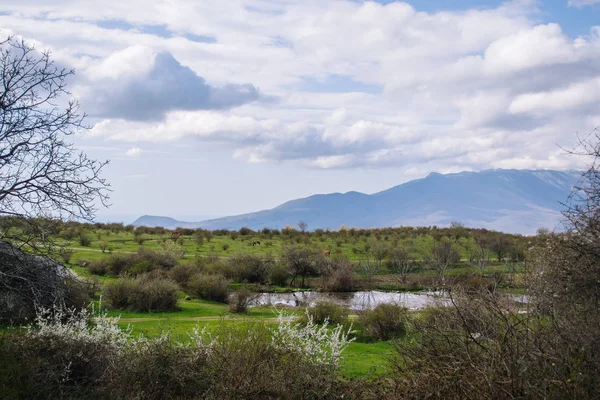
302, 225
479, 253
443, 254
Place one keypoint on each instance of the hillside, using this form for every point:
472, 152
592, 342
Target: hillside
518, 201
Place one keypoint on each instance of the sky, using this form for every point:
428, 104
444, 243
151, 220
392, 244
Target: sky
214, 108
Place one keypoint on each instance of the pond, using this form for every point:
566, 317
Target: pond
354, 300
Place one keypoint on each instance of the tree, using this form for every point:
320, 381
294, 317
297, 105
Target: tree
479, 253
302, 225
302, 261
443, 254
42, 177
500, 245
41, 174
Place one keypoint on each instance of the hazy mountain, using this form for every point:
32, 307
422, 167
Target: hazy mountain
165, 222
506, 200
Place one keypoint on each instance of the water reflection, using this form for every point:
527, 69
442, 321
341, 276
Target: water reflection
354, 301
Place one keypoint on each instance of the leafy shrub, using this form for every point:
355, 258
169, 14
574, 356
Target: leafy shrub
248, 268
245, 231
326, 311
145, 260
84, 240
279, 274
209, 287
386, 321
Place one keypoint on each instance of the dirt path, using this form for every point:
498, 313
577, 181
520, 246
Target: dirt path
197, 319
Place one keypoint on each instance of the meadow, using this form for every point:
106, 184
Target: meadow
369, 253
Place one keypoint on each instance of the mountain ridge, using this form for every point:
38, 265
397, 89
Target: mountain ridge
518, 201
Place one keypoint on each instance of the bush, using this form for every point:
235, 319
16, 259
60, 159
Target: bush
155, 295
209, 287
143, 294
239, 301
182, 274
386, 321
341, 277
144, 261
326, 311
279, 274
248, 268
84, 240
67, 357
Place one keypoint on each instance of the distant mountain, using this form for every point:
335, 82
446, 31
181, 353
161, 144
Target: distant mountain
519, 201
165, 222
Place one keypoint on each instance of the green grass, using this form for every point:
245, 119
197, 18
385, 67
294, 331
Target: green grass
354, 248
363, 359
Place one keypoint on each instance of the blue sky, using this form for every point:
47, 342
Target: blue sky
215, 108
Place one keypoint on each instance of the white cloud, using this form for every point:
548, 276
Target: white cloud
134, 152
582, 3
138, 83
469, 89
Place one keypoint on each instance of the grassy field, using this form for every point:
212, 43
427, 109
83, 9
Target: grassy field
353, 247
91, 244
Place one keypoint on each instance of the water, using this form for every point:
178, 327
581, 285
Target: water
354, 301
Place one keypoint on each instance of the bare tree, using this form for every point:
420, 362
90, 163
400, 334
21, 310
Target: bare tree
42, 177
443, 254
400, 263
41, 174
302, 225
480, 255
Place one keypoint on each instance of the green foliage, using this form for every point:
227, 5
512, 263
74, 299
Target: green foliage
209, 287
142, 294
325, 311
84, 240
385, 321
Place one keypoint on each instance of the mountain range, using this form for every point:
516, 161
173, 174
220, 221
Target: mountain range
517, 201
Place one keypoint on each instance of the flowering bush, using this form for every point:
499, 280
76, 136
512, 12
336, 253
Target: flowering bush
318, 344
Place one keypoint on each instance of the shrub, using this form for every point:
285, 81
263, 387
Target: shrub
245, 231
225, 246
155, 295
119, 293
182, 274
279, 274
248, 268
142, 294
65, 356
239, 301
144, 261
84, 240
209, 287
65, 254
341, 277
326, 311
386, 321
